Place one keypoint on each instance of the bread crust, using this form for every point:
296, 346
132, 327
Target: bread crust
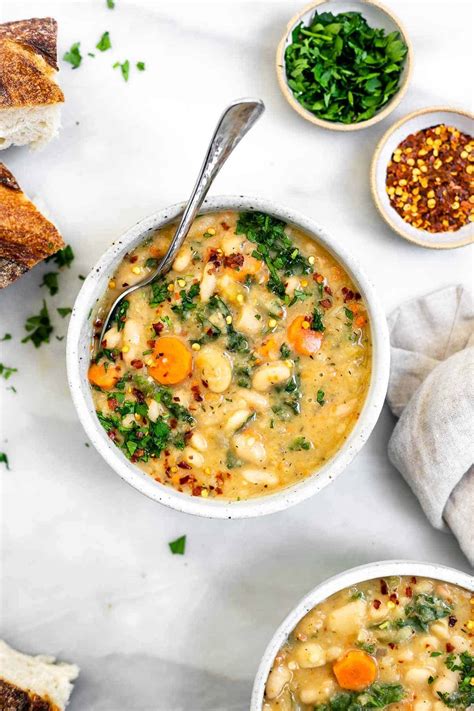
28, 63
26, 236
12, 698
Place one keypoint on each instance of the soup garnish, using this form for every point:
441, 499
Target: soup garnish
401, 643
243, 369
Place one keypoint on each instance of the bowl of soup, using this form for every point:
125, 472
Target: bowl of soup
246, 378
395, 635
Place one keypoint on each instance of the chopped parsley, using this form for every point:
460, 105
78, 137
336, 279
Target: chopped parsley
104, 43
124, 68
120, 315
39, 327
377, 696
6, 371
110, 4
141, 66
159, 293
423, 610
298, 444
463, 697
317, 321
50, 280
6, 337
188, 302
63, 257
285, 351
274, 247
4, 460
231, 460
320, 397
73, 56
64, 311
369, 648
178, 546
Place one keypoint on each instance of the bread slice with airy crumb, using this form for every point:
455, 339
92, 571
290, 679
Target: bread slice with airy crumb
34, 683
26, 236
30, 98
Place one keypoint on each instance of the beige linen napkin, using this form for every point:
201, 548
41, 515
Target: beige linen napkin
431, 390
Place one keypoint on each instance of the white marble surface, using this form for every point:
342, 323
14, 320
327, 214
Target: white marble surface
86, 570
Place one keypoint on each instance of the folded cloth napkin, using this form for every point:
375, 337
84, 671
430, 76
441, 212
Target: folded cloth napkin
431, 390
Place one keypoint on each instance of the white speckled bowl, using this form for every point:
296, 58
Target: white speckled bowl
78, 354
333, 585
377, 15
417, 121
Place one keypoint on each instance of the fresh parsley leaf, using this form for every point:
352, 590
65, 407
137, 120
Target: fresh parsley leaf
188, 302
110, 4
285, 351
120, 315
73, 56
369, 648
378, 695
423, 610
50, 280
4, 460
39, 327
62, 257
463, 697
104, 43
6, 337
341, 69
231, 460
6, 371
178, 546
159, 293
349, 314
320, 397
317, 321
63, 312
298, 444
141, 66
124, 68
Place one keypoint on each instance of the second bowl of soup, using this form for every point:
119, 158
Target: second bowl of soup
244, 379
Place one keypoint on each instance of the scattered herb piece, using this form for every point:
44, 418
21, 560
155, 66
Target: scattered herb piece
62, 257
73, 56
463, 697
298, 444
6, 337
188, 302
341, 69
178, 546
110, 4
39, 327
141, 66
50, 280
378, 695
104, 43
124, 68
63, 312
317, 321
159, 293
285, 351
4, 460
369, 648
423, 610
320, 397
6, 371
90, 54
231, 460
120, 315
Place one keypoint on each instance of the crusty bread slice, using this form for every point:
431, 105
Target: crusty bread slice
30, 98
34, 683
26, 236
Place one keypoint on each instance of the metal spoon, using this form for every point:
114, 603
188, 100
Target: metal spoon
237, 119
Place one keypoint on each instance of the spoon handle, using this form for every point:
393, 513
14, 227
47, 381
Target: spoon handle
235, 122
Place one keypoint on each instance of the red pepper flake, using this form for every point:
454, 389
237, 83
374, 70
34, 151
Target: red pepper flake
383, 587
136, 363
392, 645
139, 395
196, 393
318, 278
449, 647
196, 490
158, 327
184, 479
452, 621
394, 598
173, 423
328, 290
234, 261
326, 303
112, 434
184, 465
112, 403
408, 592
428, 179
133, 259
348, 295
413, 579
376, 604
225, 226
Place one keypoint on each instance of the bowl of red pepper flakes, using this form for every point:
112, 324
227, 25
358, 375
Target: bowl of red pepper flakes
422, 177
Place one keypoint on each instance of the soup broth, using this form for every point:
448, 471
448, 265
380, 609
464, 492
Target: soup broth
242, 370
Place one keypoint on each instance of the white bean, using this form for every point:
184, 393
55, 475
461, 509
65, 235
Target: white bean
447, 682
418, 676
198, 441
278, 677
182, 260
216, 368
250, 447
236, 420
347, 619
247, 321
271, 374
255, 400
232, 244
131, 340
422, 706
208, 282
310, 655
333, 653
292, 284
441, 630
113, 338
259, 476
191, 456
154, 410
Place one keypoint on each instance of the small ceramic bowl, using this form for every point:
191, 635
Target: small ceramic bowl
382, 569
417, 121
377, 15
78, 357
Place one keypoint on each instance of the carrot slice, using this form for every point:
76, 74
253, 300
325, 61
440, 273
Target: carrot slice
104, 378
173, 361
305, 341
356, 670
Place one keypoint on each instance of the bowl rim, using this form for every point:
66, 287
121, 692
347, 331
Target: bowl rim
373, 177
335, 125
92, 290
335, 583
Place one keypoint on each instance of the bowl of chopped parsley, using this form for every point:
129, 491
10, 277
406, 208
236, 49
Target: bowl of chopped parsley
344, 65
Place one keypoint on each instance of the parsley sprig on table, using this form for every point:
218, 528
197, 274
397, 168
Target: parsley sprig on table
341, 69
